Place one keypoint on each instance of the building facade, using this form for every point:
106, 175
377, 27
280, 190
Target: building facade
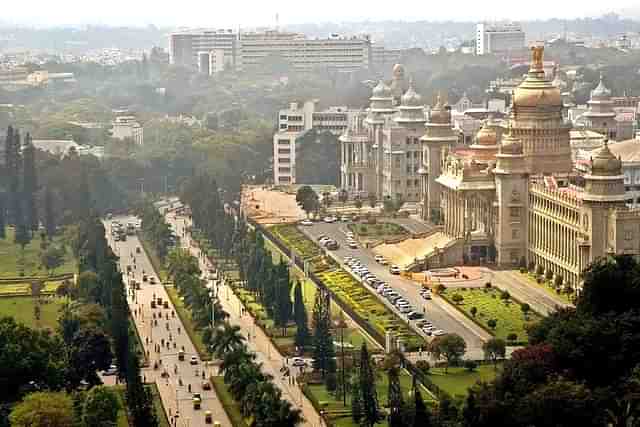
250, 50
293, 122
512, 196
127, 127
499, 39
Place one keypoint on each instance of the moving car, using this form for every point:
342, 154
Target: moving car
332, 245
380, 260
113, 370
330, 219
353, 245
394, 269
350, 235
208, 418
206, 385
344, 218
152, 280
145, 277
197, 401
181, 355
193, 361
138, 250
298, 361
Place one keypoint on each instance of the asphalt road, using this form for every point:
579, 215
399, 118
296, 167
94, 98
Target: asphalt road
163, 341
436, 310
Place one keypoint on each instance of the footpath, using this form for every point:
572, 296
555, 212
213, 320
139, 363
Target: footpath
257, 341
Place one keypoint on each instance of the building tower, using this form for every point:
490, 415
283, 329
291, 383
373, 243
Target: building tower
398, 83
381, 106
437, 140
512, 201
537, 121
601, 117
604, 190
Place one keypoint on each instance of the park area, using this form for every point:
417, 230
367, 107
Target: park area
378, 231
368, 307
17, 263
486, 305
457, 380
340, 415
22, 309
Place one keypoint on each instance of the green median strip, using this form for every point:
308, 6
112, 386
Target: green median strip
231, 407
187, 322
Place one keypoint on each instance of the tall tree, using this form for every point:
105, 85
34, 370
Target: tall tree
356, 399
300, 315
370, 409
283, 300
29, 184
49, 214
3, 216
395, 401
307, 199
494, 349
421, 417
451, 347
13, 162
43, 409
100, 408
323, 349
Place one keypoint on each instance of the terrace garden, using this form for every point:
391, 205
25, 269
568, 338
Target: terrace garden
293, 238
378, 231
368, 307
495, 311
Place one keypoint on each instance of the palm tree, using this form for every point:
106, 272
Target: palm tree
227, 339
232, 360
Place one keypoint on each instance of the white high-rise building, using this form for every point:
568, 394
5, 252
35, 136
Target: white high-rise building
499, 39
293, 122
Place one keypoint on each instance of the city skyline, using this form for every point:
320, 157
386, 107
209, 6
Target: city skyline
193, 14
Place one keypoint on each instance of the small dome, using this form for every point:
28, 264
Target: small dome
604, 163
440, 114
382, 90
411, 98
398, 71
486, 136
510, 144
601, 90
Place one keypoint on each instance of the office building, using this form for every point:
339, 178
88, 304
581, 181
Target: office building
293, 123
499, 39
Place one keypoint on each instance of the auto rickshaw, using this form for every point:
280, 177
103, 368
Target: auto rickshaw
181, 355
197, 401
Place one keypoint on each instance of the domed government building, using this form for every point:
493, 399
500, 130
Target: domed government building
511, 197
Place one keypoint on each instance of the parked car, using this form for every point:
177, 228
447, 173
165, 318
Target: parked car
332, 245
438, 332
353, 245
330, 219
405, 310
113, 370
306, 222
152, 280
394, 269
350, 235
414, 315
344, 218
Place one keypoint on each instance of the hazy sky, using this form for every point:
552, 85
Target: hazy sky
225, 13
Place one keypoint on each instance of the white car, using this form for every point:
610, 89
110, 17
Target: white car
380, 260
306, 222
353, 245
394, 269
298, 361
438, 332
330, 219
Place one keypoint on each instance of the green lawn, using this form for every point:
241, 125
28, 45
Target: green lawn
510, 318
21, 309
185, 316
25, 288
547, 286
340, 415
380, 230
158, 266
13, 263
369, 307
458, 380
230, 406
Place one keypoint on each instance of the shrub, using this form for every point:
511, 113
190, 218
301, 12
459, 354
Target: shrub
539, 279
487, 285
548, 274
505, 295
457, 298
539, 270
525, 308
441, 288
470, 365
423, 366
474, 311
567, 289
532, 266
512, 337
492, 323
557, 281
331, 382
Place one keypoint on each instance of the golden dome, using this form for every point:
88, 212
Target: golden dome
440, 113
486, 136
536, 90
510, 144
604, 163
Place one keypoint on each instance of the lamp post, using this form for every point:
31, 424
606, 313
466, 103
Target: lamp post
340, 323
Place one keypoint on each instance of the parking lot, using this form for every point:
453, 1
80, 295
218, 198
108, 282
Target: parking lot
403, 296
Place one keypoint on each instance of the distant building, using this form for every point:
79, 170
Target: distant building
127, 127
62, 147
499, 39
293, 122
238, 51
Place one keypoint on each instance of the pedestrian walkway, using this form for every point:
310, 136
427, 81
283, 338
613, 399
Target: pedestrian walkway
257, 341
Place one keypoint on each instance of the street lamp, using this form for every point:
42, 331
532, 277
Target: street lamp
340, 323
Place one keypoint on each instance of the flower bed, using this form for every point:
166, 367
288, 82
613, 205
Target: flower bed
368, 307
293, 238
508, 315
